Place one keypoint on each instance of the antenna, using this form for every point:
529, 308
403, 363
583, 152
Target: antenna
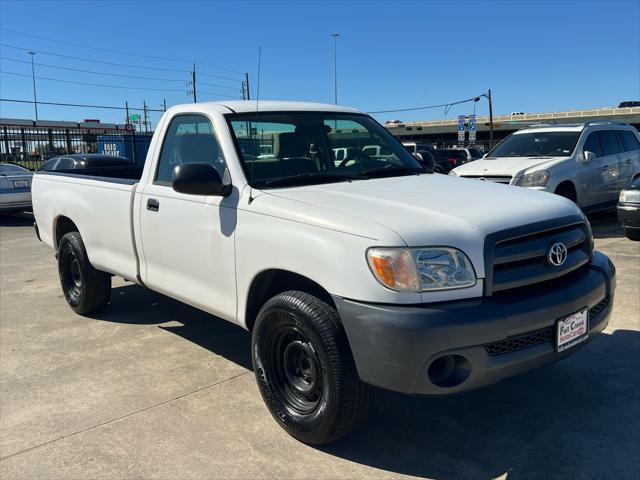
257, 102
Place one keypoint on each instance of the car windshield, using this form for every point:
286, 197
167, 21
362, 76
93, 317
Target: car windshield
302, 148
12, 169
537, 144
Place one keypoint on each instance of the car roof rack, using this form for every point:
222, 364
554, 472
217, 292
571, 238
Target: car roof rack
604, 122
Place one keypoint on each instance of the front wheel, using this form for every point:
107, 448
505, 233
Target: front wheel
305, 370
86, 289
632, 233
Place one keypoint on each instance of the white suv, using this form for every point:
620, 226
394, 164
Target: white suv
588, 163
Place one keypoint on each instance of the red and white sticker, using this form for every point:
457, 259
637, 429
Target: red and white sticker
572, 330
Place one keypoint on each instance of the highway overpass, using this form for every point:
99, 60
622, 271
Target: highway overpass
444, 133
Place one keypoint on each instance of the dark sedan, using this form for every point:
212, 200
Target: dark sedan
629, 210
448, 158
80, 161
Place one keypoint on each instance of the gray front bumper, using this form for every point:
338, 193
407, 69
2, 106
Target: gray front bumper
393, 346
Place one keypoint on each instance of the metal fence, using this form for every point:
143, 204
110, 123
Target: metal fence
30, 144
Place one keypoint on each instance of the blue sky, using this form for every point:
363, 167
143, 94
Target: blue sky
535, 56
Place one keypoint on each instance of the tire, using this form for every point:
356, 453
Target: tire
438, 169
86, 289
568, 191
305, 370
632, 233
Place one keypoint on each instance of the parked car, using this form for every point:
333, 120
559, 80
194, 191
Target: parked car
79, 161
394, 123
472, 153
415, 147
374, 272
588, 163
448, 159
15, 189
629, 210
628, 104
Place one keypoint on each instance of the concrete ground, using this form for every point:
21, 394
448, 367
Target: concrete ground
151, 388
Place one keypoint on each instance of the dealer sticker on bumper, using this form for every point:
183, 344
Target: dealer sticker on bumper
572, 330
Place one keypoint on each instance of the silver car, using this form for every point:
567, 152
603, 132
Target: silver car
15, 188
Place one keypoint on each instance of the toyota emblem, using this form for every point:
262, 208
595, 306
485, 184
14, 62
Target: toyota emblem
557, 254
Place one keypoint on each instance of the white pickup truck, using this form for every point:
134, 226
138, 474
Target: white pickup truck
364, 271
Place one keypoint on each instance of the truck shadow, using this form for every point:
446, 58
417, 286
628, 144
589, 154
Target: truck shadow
578, 418
24, 219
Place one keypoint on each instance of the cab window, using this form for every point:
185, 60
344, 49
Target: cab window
189, 139
609, 142
592, 144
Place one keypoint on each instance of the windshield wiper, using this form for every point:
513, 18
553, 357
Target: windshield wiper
391, 169
310, 178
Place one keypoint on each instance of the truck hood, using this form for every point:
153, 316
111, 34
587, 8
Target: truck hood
506, 166
422, 209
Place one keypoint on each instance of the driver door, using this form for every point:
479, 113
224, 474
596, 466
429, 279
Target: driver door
188, 240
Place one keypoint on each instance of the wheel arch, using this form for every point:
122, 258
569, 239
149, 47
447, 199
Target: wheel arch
571, 187
271, 282
61, 226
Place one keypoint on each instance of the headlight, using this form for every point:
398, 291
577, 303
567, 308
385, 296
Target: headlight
630, 196
535, 179
420, 269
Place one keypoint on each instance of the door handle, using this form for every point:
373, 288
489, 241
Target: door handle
153, 205
604, 167
628, 160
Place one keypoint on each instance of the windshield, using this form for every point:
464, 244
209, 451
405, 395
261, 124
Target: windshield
302, 148
537, 144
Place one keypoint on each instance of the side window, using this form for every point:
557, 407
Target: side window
592, 144
49, 165
189, 139
64, 164
629, 140
609, 142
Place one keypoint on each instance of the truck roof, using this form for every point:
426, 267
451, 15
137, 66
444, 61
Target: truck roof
246, 106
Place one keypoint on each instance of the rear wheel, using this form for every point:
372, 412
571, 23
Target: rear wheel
85, 288
305, 370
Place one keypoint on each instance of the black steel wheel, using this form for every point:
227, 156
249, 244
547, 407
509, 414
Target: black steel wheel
305, 370
85, 288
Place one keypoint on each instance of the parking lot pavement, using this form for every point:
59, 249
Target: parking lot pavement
151, 388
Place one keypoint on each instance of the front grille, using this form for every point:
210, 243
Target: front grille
523, 260
543, 335
493, 178
520, 342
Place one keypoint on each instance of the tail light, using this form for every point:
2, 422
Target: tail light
452, 160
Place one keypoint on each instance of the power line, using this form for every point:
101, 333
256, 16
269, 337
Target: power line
44, 52
450, 104
219, 77
93, 84
109, 107
200, 82
98, 73
116, 51
218, 94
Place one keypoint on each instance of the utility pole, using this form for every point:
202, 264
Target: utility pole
335, 67
33, 78
146, 117
490, 118
164, 104
193, 81
246, 82
126, 108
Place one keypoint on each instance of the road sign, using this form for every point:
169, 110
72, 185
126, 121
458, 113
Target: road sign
134, 118
472, 129
461, 129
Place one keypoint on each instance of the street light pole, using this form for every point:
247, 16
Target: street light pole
335, 67
33, 78
487, 95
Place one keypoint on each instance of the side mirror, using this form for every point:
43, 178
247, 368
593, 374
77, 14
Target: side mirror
426, 160
588, 156
199, 179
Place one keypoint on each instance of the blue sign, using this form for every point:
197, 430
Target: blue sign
461, 123
472, 129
